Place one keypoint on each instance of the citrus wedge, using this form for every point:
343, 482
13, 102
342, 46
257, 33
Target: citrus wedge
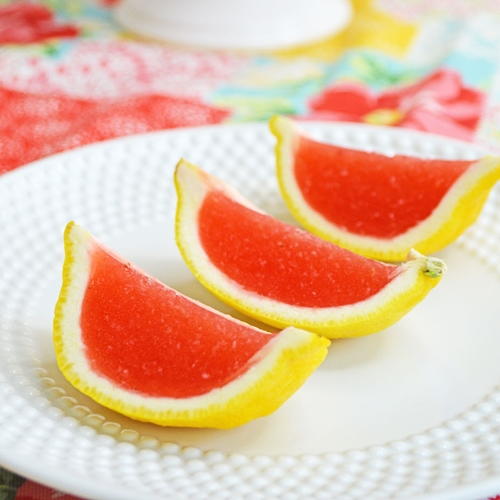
376, 205
283, 275
144, 350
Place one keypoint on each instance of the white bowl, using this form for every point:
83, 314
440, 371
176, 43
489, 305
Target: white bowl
235, 24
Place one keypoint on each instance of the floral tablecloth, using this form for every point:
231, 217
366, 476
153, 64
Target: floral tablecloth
69, 76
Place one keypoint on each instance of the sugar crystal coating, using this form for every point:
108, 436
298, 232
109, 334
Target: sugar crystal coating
283, 262
148, 338
371, 194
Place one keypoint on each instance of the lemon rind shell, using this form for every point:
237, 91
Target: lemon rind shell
457, 210
362, 318
277, 370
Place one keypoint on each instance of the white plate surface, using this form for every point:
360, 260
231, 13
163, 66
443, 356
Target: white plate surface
412, 411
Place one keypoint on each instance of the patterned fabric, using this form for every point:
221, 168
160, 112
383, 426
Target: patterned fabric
69, 76
440, 102
34, 125
27, 23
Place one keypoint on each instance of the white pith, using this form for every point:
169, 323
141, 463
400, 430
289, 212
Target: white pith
76, 361
194, 187
290, 135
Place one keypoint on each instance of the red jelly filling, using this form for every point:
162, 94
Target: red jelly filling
150, 339
283, 262
368, 193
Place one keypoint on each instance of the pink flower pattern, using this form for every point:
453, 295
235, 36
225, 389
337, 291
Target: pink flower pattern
439, 103
25, 22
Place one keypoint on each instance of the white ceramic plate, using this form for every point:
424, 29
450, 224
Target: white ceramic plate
412, 411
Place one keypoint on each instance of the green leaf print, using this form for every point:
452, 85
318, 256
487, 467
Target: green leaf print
9, 484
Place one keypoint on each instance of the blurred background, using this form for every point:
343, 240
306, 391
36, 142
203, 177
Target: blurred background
77, 71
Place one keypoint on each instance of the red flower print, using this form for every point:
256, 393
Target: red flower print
439, 103
27, 22
34, 491
34, 126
